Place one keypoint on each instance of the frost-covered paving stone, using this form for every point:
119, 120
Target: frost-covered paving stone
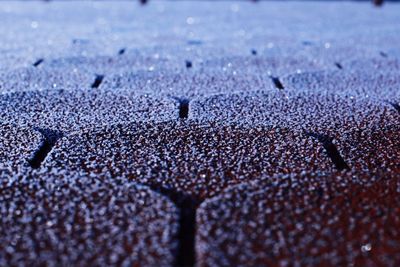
308, 220
189, 83
62, 29
80, 72
63, 219
356, 133
17, 144
190, 159
84, 65
354, 82
384, 63
283, 57
120, 70
376, 149
134, 61
67, 111
38, 78
265, 64
308, 111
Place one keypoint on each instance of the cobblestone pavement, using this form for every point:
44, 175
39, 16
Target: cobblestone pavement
199, 134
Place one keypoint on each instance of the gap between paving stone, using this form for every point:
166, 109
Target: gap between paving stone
50, 138
183, 106
187, 225
331, 151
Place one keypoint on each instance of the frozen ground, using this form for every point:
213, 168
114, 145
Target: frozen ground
199, 133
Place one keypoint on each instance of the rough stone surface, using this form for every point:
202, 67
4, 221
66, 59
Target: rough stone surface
62, 219
68, 111
17, 145
100, 99
364, 131
309, 220
193, 159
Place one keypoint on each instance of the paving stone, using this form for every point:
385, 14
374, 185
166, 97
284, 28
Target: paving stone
187, 84
68, 111
59, 218
17, 145
192, 99
356, 133
191, 159
375, 84
41, 79
342, 219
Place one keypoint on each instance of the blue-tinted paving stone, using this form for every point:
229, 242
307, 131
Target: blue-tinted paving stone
68, 111
17, 145
63, 219
365, 132
191, 98
342, 219
189, 158
354, 82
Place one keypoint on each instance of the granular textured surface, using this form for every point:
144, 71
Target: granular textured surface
39, 79
191, 133
190, 158
378, 85
68, 111
73, 220
17, 145
309, 220
365, 132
